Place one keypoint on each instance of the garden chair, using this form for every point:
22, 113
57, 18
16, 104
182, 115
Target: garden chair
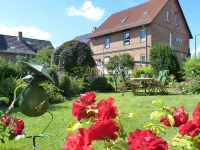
128, 84
158, 83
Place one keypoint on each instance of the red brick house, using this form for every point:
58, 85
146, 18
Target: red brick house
163, 21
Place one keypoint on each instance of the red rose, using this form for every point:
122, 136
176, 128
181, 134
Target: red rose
78, 110
18, 126
180, 118
189, 128
196, 114
77, 141
146, 140
106, 109
88, 98
104, 129
6, 119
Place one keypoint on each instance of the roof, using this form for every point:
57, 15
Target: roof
11, 44
83, 38
133, 17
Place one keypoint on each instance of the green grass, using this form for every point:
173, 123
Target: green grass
62, 116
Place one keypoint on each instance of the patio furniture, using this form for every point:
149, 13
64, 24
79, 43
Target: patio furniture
128, 84
160, 82
138, 81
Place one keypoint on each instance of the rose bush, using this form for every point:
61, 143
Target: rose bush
104, 123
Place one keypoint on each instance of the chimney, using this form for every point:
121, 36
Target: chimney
94, 28
20, 36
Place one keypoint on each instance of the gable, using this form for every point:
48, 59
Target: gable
174, 7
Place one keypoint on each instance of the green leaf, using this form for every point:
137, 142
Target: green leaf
132, 115
148, 125
73, 126
5, 99
157, 102
94, 111
156, 115
171, 119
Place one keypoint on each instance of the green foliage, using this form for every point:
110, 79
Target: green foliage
162, 57
119, 63
76, 85
7, 69
54, 93
191, 68
78, 72
73, 54
53, 75
43, 57
189, 53
7, 87
101, 84
147, 71
65, 85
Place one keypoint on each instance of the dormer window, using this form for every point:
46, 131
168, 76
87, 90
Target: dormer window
127, 38
107, 42
168, 16
176, 20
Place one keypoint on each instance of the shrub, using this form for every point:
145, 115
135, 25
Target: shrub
7, 88
101, 84
65, 85
148, 71
54, 93
191, 68
76, 85
162, 57
54, 76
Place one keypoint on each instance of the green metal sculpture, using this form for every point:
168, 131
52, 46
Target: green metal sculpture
33, 100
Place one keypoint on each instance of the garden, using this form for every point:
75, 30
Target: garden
90, 112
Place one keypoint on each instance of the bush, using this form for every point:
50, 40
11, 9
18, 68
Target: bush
7, 69
65, 85
148, 71
54, 93
191, 68
101, 84
162, 57
76, 85
53, 75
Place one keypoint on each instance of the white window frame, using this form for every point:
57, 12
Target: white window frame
168, 16
126, 41
171, 40
176, 20
142, 56
107, 45
142, 39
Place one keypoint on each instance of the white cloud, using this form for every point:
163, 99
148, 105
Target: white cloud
28, 31
87, 10
193, 52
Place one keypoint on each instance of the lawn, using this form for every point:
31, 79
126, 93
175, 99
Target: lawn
62, 116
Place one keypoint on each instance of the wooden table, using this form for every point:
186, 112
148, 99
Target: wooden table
137, 82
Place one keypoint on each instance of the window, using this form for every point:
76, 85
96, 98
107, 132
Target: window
179, 40
126, 38
171, 40
146, 12
176, 20
168, 16
124, 19
142, 58
107, 42
143, 35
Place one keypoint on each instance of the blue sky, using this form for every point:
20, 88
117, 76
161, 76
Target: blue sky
62, 20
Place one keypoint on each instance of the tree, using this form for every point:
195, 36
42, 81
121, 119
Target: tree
73, 54
189, 54
43, 57
119, 63
162, 57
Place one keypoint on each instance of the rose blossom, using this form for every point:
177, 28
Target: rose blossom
6, 119
180, 118
79, 110
106, 109
196, 114
146, 140
77, 141
18, 126
88, 98
104, 129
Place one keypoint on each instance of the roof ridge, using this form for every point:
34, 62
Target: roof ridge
132, 7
